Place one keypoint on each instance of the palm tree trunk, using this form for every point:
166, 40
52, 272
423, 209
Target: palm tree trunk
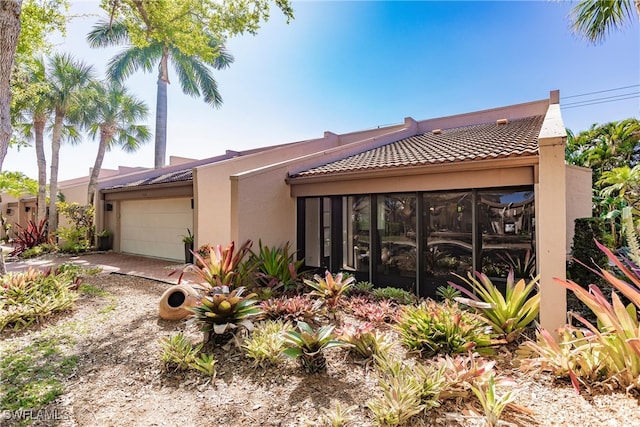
9, 31
38, 126
161, 111
53, 183
105, 138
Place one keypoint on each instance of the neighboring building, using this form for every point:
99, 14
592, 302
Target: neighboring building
405, 205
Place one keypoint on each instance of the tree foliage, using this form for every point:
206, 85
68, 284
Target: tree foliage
595, 19
190, 24
17, 184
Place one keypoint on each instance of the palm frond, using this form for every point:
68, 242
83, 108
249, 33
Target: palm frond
133, 59
105, 34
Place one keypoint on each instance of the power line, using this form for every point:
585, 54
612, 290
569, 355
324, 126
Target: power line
600, 91
600, 99
600, 102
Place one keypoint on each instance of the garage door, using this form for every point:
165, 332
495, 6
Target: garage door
155, 227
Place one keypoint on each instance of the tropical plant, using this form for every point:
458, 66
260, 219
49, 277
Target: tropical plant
492, 403
31, 122
362, 288
222, 267
193, 71
277, 268
178, 354
522, 267
397, 295
267, 342
507, 314
463, 371
330, 289
432, 328
188, 238
595, 19
338, 416
78, 237
364, 340
221, 310
30, 296
67, 80
611, 348
407, 390
114, 115
378, 312
308, 345
299, 307
448, 293
30, 236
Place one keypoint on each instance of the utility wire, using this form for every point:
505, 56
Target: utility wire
600, 91
603, 98
600, 102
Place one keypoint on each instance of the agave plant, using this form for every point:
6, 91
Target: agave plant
330, 289
508, 315
307, 346
222, 310
222, 267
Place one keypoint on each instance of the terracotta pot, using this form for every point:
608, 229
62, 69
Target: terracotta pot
175, 301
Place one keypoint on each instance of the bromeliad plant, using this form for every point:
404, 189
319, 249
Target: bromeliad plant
330, 289
266, 343
508, 315
221, 310
432, 328
308, 345
365, 340
277, 268
222, 267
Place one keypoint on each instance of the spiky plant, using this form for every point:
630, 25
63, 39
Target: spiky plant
507, 314
330, 289
308, 345
222, 310
364, 340
222, 267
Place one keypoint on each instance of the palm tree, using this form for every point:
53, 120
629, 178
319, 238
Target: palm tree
595, 19
113, 114
193, 72
32, 122
67, 79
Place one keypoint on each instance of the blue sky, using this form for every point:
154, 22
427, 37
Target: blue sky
347, 66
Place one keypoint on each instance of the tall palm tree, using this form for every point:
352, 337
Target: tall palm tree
67, 79
595, 19
113, 114
193, 73
32, 123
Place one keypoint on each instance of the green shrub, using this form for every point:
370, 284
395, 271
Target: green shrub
398, 295
432, 328
74, 239
585, 251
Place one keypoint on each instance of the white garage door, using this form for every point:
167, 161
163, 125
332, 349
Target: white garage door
155, 227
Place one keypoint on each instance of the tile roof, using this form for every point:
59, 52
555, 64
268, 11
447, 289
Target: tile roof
176, 176
519, 137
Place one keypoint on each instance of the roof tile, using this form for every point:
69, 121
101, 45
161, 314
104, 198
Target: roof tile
518, 137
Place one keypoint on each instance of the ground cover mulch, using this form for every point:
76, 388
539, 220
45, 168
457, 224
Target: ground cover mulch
119, 381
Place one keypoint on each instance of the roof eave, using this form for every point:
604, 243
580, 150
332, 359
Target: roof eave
389, 172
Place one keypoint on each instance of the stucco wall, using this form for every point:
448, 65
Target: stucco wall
579, 198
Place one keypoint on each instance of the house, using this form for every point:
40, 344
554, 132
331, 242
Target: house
406, 205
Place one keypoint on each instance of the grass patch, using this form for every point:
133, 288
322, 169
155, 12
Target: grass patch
33, 376
93, 291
